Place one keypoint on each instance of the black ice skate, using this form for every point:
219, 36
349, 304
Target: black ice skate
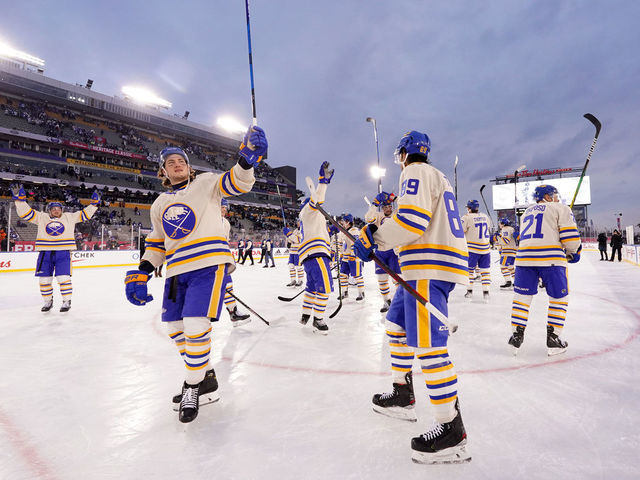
206, 391
385, 307
555, 344
292, 283
345, 294
189, 404
444, 443
299, 284
360, 297
469, 294
238, 319
485, 297
47, 306
66, 306
507, 284
397, 404
319, 326
305, 318
517, 337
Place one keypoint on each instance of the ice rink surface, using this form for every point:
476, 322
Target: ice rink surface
87, 394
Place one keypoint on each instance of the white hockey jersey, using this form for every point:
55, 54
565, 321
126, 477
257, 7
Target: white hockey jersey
313, 227
294, 237
548, 232
427, 228
476, 228
506, 241
346, 246
54, 233
187, 223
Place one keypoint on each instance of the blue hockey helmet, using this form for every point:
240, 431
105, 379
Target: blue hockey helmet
347, 217
504, 221
165, 152
224, 203
542, 190
304, 202
473, 205
51, 205
413, 142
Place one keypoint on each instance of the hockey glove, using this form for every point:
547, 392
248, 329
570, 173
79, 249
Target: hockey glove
326, 174
136, 287
18, 193
254, 146
364, 244
286, 231
381, 198
574, 257
95, 198
332, 229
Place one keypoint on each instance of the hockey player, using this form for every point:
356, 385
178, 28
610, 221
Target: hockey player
188, 232
433, 258
315, 255
384, 201
476, 228
54, 241
350, 265
236, 317
295, 267
506, 241
548, 239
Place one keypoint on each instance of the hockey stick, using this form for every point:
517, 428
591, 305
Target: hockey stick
596, 123
485, 202
247, 306
430, 307
339, 285
455, 177
253, 93
288, 299
281, 207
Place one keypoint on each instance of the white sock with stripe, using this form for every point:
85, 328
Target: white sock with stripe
176, 333
401, 354
197, 348
441, 380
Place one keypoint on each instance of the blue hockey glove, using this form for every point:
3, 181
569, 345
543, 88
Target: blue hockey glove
254, 146
286, 231
574, 257
332, 229
18, 192
326, 174
95, 198
382, 197
364, 244
136, 287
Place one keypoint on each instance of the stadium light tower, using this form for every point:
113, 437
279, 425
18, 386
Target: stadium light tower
231, 125
144, 96
27, 60
380, 171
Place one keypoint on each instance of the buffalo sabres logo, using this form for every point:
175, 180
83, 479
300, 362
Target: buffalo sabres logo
54, 229
178, 220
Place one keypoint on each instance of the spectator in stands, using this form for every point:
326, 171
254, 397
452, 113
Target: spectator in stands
616, 245
602, 246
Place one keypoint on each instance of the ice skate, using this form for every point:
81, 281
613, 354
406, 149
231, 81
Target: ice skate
444, 443
305, 318
320, 326
299, 284
517, 337
345, 295
291, 284
206, 391
360, 297
66, 306
47, 306
506, 285
238, 319
385, 307
555, 345
485, 297
469, 294
189, 404
397, 404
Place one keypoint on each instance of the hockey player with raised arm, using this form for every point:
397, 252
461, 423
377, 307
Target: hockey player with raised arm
433, 258
506, 241
476, 226
380, 211
54, 241
236, 317
188, 233
295, 267
315, 255
350, 265
549, 239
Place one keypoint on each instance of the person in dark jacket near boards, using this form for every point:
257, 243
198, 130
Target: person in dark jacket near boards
602, 246
616, 244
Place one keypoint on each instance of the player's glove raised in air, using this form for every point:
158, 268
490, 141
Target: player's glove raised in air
326, 174
364, 244
95, 198
18, 192
136, 287
574, 257
254, 146
381, 198
286, 231
332, 229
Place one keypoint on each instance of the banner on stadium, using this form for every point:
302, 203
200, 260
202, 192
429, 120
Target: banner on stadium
102, 165
26, 261
96, 148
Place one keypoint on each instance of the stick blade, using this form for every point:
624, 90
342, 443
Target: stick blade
595, 121
482, 188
